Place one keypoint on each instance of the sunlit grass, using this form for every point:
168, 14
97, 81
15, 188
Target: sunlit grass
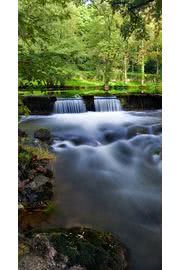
39, 152
118, 87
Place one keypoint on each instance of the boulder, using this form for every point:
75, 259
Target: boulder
157, 129
32, 262
135, 130
74, 249
20, 207
37, 192
114, 135
38, 181
43, 135
21, 133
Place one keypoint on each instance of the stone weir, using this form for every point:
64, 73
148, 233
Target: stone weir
141, 102
39, 104
43, 105
130, 102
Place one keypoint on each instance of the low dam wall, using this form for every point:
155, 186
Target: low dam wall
39, 104
141, 102
45, 105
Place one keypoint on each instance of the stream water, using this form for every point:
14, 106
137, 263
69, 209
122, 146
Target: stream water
108, 176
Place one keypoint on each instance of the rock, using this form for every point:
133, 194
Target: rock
157, 129
135, 130
114, 135
43, 135
31, 174
38, 181
71, 140
22, 184
63, 145
49, 173
21, 133
35, 184
74, 249
77, 268
32, 262
20, 207
37, 192
41, 169
90, 249
40, 245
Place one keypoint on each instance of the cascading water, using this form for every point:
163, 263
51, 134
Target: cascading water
107, 104
108, 177
69, 105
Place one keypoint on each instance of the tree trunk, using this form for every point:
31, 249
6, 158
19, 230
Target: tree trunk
107, 76
125, 69
132, 68
157, 62
142, 71
142, 64
157, 67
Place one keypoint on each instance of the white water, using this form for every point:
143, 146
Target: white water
108, 176
69, 105
77, 105
107, 104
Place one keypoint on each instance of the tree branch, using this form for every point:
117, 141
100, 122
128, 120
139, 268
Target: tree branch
132, 6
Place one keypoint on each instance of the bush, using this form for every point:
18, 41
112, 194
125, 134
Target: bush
37, 152
22, 109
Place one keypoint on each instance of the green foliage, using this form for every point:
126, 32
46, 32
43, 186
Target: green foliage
136, 13
25, 157
50, 208
28, 156
62, 40
39, 153
22, 109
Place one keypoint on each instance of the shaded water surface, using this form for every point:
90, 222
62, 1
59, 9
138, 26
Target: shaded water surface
108, 176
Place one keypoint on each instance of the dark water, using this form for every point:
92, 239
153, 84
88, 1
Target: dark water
108, 176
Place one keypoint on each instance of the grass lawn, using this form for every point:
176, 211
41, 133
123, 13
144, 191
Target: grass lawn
82, 83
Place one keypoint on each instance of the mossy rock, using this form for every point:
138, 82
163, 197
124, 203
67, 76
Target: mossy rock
136, 130
88, 248
43, 135
75, 248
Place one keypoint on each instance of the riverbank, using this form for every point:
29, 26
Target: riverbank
35, 171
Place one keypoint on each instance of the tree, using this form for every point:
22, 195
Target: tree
60, 40
103, 40
136, 13
48, 44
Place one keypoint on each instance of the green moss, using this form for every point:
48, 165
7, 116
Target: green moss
51, 208
22, 249
24, 158
90, 249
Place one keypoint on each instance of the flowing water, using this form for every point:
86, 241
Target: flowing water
107, 104
69, 105
77, 105
108, 176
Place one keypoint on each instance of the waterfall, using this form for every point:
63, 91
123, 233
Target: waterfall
69, 105
107, 104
